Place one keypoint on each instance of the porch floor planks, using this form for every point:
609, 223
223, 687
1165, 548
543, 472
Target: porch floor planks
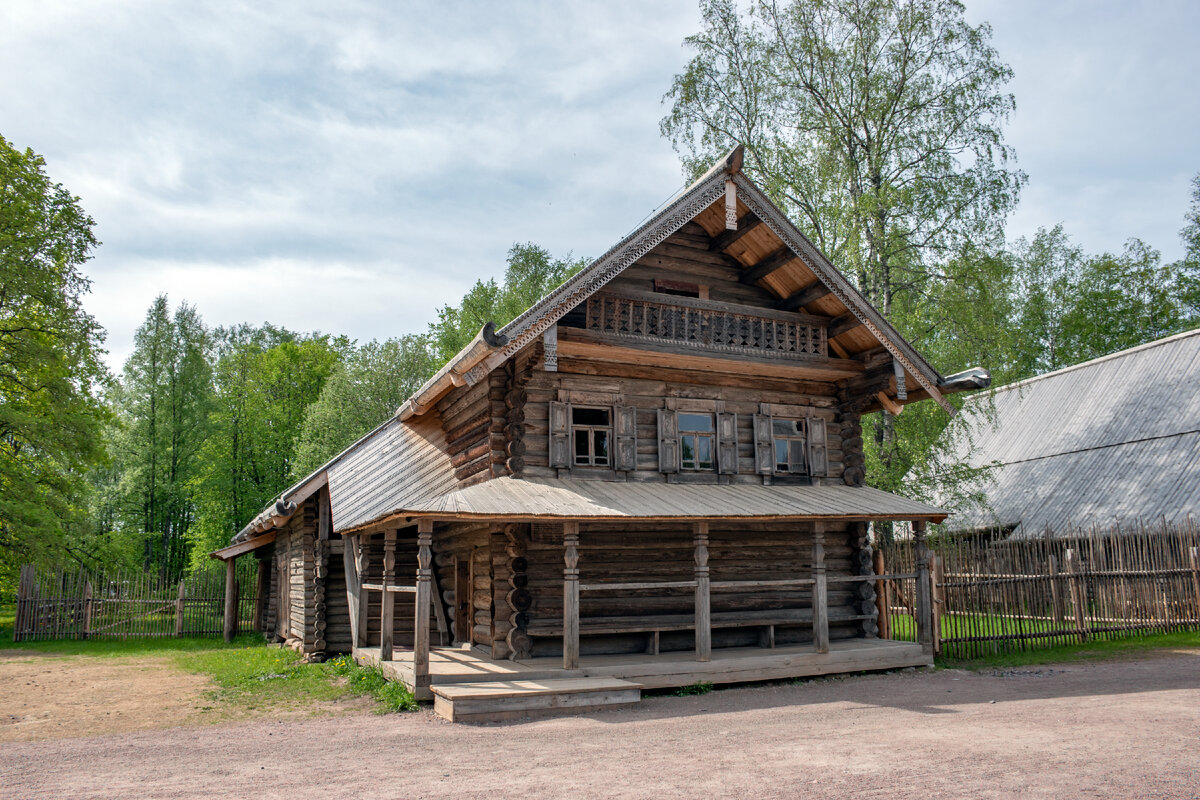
450, 666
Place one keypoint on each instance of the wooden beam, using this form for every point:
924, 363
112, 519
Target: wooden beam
803, 297
595, 346
353, 585
421, 611
570, 595
703, 609
888, 404
771, 262
820, 592
843, 324
387, 602
235, 550
924, 604
724, 240
231, 600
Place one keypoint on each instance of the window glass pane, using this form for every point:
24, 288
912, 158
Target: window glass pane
787, 427
781, 455
582, 451
696, 422
589, 416
704, 451
601, 446
797, 462
687, 451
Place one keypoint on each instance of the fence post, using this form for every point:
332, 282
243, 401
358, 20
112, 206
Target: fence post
1196, 578
922, 615
937, 577
24, 601
179, 610
231, 600
882, 606
1056, 603
87, 609
1077, 597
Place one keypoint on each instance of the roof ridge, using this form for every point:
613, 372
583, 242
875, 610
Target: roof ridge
1098, 360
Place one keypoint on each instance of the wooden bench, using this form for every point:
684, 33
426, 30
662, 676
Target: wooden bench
654, 625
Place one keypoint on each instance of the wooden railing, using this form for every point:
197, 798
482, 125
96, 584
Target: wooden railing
706, 325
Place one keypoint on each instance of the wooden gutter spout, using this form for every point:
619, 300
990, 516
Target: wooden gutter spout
457, 372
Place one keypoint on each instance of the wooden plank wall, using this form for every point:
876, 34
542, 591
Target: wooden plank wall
337, 609
643, 552
648, 396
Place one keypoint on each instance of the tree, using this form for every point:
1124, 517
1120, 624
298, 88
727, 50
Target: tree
877, 126
531, 273
162, 405
1190, 266
364, 392
51, 371
264, 380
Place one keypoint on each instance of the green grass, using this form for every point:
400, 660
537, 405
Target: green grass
691, 689
248, 674
1088, 651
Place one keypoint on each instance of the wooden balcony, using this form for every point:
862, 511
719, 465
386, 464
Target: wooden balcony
706, 325
647, 331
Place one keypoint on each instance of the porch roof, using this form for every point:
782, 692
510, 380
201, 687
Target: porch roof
550, 498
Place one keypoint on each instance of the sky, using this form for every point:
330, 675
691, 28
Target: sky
349, 167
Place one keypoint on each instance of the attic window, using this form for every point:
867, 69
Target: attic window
680, 288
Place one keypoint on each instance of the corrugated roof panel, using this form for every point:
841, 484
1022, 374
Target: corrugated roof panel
548, 497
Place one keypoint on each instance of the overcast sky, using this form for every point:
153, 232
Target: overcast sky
348, 167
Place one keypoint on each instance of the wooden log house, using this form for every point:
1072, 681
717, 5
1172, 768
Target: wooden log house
652, 477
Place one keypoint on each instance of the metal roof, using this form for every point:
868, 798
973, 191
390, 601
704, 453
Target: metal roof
583, 499
400, 464
1108, 442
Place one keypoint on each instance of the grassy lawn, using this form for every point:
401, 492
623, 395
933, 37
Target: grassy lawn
1090, 651
247, 673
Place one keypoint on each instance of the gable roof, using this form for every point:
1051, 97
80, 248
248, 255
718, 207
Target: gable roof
473, 364
370, 479
1107, 442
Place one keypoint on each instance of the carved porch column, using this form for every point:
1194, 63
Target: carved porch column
820, 591
421, 615
703, 609
570, 595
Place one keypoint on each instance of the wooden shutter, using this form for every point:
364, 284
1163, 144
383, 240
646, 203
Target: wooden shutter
727, 444
625, 431
764, 447
668, 440
818, 452
560, 434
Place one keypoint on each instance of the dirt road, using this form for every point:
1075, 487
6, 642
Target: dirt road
1118, 729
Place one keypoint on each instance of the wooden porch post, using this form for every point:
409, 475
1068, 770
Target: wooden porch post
262, 593
231, 599
353, 585
387, 602
924, 604
703, 609
421, 625
820, 591
570, 595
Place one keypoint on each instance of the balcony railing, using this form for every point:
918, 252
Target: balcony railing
706, 325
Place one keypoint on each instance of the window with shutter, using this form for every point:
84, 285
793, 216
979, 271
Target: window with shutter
697, 442
625, 421
560, 434
727, 444
818, 451
668, 440
764, 458
791, 447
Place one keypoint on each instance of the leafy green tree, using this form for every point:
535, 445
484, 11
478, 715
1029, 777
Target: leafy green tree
163, 404
364, 392
531, 273
1190, 266
51, 370
264, 381
877, 126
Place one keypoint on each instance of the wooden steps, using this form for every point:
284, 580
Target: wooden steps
496, 701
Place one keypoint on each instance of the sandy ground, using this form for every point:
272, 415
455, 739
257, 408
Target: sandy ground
49, 696
1116, 729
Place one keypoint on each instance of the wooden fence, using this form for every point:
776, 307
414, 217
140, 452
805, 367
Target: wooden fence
81, 604
992, 596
